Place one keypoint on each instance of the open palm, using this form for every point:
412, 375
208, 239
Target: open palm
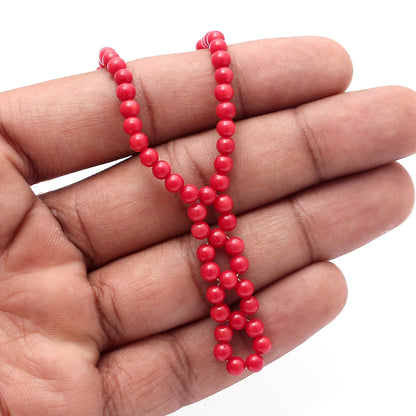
102, 310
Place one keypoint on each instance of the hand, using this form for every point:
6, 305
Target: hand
102, 310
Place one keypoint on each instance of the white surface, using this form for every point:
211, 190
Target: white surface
364, 362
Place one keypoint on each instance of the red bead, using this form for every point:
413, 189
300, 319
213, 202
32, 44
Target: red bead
219, 182
224, 75
217, 237
129, 108
214, 34
217, 45
174, 182
161, 169
262, 345
244, 288
226, 110
210, 271
254, 328
223, 352
226, 128
223, 204
200, 230
237, 320
114, 64
149, 157
225, 145
189, 194
132, 125
220, 313
123, 76
220, 58
234, 246
228, 279
215, 294
249, 305
224, 92
227, 222
223, 333
197, 212
207, 195
236, 366
103, 51
239, 264
223, 164
125, 91
199, 45
107, 56
139, 142
205, 253
254, 362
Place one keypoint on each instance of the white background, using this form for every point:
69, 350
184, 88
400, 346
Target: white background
364, 362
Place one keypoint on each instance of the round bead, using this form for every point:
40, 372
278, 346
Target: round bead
123, 76
254, 328
220, 58
132, 125
103, 51
225, 145
226, 128
107, 56
219, 182
227, 222
189, 194
223, 164
199, 45
244, 288
210, 271
217, 45
217, 237
224, 92
114, 64
139, 142
214, 34
237, 320
220, 313
239, 264
197, 212
223, 333
200, 230
249, 305
228, 279
149, 157
223, 352
174, 182
254, 362
223, 204
205, 253
224, 75
125, 91
226, 110
161, 169
215, 294
236, 366
262, 345
129, 108
234, 246
207, 195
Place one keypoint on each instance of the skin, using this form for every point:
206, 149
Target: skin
102, 310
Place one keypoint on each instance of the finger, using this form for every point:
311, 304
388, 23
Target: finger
73, 123
136, 299
344, 134
163, 373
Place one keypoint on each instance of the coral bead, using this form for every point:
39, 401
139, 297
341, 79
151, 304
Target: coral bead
223, 352
224, 92
254, 328
237, 320
228, 279
199, 45
217, 45
161, 169
223, 204
205, 253
217, 237
262, 345
220, 313
226, 128
223, 164
123, 76
225, 110
249, 305
220, 59
213, 34
239, 264
200, 230
114, 64
132, 125
254, 363
107, 56
207, 195
244, 288
103, 51
224, 75
225, 145
234, 246
174, 182
139, 142
215, 294
189, 194
210, 271
219, 182
129, 108
227, 222
223, 333
125, 91
149, 157
236, 366
197, 212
